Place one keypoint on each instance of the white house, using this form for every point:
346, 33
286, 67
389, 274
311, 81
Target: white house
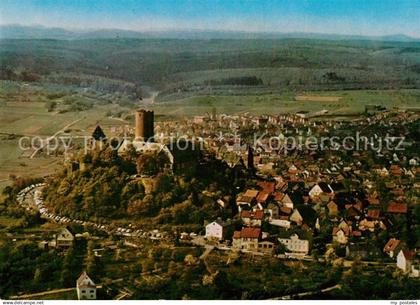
284, 223
286, 201
246, 239
252, 218
216, 230
295, 245
404, 258
86, 288
315, 191
320, 188
296, 217
340, 235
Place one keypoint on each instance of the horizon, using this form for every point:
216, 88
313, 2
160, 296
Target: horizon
373, 18
192, 30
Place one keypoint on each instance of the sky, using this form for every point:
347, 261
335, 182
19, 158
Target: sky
355, 17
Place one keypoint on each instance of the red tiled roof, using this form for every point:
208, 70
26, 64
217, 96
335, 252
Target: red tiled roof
356, 233
251, 193
286, 210
278, 196
237, 234
244, 199
262, 196
374, 213
250, 233
258, 214
400, 208
267, 187
391, 245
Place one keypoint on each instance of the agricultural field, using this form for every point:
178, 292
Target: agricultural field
351, 102
25, 112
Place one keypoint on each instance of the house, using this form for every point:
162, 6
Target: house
262, 197
285, 211
295, 245
397, 208
216, 230
64, 238
415, 268
248, 198
352, 211
373, 214
252, 218
392, 247
287, 202
266, 246
86, 288
371, 225
404, 260
282, 221
246, 239
273, 210
361, 250
268, 187
332, 208
320, 188
340, 235
373, 201
296, 217
395, 170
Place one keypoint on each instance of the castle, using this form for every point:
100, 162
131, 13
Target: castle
144, 125
144, 136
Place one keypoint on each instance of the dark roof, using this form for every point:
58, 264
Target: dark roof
324, 187
308, 214
98, 134
337, 186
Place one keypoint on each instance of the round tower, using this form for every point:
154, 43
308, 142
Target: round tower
144, 125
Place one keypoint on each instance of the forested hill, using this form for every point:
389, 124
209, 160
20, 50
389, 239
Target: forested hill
185, 63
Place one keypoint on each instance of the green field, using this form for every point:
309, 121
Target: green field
351, 103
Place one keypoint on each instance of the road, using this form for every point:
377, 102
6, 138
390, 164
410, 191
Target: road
33, 195
156, 235
305, 294
40, 294
47, 140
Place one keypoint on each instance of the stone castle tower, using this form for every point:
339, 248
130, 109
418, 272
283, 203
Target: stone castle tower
144, 125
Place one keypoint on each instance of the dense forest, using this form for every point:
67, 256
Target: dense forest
176, 64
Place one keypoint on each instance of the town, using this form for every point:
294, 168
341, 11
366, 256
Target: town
209, 150
297, 204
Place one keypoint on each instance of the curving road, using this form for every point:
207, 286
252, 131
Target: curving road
31, 199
